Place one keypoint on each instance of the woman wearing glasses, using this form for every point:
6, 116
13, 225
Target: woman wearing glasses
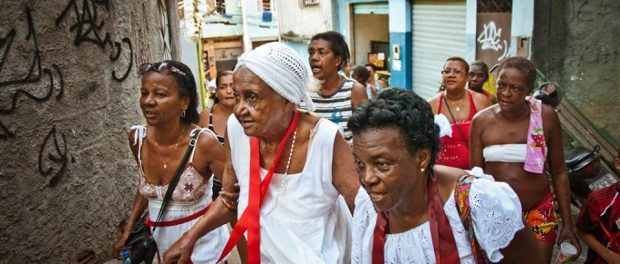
168, 102
514, 141
454, 107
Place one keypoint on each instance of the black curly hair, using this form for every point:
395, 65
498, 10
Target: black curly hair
360, 74
404, 110
187, 88
337, 44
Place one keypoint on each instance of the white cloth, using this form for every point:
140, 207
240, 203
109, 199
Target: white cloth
207, 249
445, 128
496, 216
281, 68
303, 218
506, 153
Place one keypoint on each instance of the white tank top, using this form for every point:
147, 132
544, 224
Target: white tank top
303, 217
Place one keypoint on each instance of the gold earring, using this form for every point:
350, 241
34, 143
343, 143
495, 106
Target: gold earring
183, 114
422, 169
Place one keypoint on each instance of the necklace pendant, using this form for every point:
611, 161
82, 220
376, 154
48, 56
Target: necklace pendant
165, 166
458, 108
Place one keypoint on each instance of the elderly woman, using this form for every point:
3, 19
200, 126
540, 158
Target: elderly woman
168, 102
454, 107
337, 96
514, 140
411, 211
284, 162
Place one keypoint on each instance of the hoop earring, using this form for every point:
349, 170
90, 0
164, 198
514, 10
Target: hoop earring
183, 114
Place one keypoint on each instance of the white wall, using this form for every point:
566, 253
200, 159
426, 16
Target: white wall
522, 23
307, 21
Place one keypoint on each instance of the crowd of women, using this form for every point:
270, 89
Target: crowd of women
325, 175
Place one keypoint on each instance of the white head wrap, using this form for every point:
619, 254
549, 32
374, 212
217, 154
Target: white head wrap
282, 69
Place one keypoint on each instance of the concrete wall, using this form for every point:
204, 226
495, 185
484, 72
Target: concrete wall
68, 94
304, 22
576, 44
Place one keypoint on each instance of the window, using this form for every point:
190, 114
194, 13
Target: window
220, 6
495, 6
265, 6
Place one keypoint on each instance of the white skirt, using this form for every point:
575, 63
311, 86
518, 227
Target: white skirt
206, 250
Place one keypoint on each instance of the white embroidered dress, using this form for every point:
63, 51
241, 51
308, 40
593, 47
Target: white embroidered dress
496, 215
192, 194
303, 218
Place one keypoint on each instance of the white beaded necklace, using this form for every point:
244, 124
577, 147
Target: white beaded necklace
290, 155
284, 178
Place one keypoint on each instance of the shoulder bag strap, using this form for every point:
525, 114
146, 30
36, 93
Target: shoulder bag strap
175, 180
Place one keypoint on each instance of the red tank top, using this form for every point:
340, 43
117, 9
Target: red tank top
454, 151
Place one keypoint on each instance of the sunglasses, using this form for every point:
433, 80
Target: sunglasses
146, 67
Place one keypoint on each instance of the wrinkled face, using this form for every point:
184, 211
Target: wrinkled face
386, 169
323, 61
224, 91
160, 100
511, 89
258, 107
477, 77
454, 75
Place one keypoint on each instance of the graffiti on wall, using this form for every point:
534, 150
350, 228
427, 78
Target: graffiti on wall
23, 74
493, 32
57, 157
24, 82
89, 28
491, 39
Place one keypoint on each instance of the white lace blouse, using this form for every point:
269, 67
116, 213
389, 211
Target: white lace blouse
496, 215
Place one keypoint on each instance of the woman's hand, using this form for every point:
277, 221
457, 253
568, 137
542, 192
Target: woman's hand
181, 251
119, 245
567, 233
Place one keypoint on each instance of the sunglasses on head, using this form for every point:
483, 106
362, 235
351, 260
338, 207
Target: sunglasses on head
146, 67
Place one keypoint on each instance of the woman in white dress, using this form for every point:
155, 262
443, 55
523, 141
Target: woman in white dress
168, 101
411, 211
292, 169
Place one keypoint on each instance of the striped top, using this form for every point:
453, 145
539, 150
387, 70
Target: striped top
336, 107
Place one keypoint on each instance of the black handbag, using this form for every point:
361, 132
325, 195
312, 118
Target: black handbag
140, 240
141, 243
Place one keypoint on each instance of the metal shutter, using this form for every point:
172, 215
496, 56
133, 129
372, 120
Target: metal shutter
438, 29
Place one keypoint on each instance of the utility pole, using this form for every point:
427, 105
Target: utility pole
247, 44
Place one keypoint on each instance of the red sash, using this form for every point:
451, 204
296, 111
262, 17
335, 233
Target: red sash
378, 241
250, 218
444, 244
